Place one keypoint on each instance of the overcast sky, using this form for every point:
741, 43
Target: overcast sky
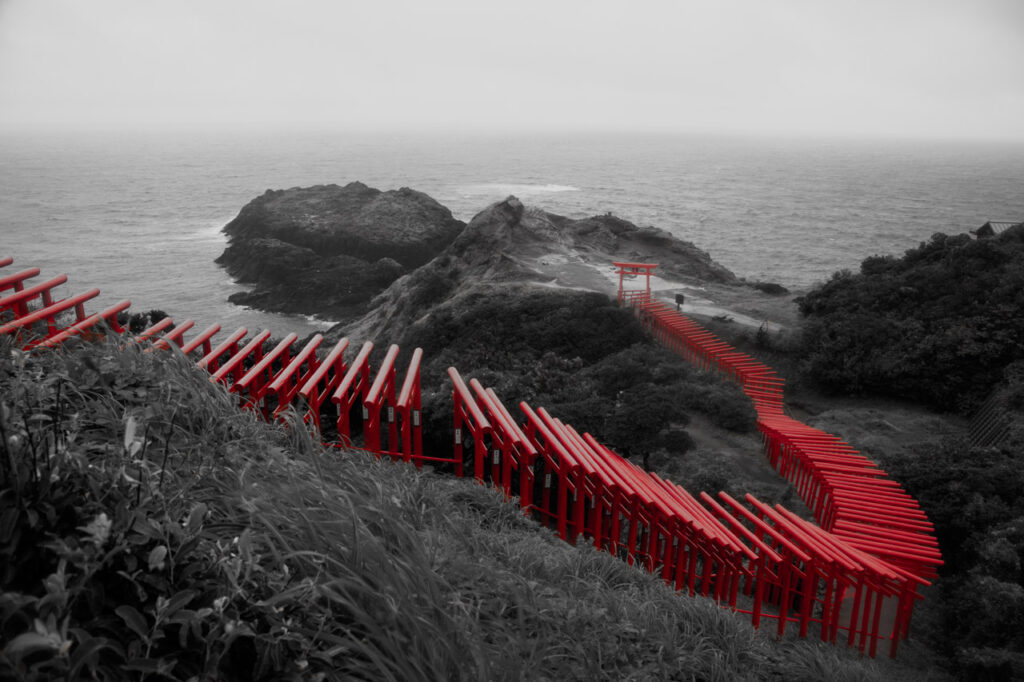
873, 67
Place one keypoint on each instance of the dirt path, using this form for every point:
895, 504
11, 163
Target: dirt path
742, 304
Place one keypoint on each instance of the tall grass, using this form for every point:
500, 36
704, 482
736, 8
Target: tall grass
151, 530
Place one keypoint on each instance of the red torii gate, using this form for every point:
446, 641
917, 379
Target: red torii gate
631, 270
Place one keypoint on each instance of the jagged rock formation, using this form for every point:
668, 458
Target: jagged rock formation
328, 249
600, 239
511, 247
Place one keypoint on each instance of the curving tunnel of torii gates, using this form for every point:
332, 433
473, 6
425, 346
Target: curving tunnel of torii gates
855, 577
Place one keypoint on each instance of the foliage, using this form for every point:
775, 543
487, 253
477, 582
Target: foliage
138, 322
501, 327
937, 325
975, 498
151, 530
585, 359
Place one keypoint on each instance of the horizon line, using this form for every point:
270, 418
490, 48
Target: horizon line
283, 129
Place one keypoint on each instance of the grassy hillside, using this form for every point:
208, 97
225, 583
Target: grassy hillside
149, 529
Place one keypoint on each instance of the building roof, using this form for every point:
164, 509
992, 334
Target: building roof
994, 227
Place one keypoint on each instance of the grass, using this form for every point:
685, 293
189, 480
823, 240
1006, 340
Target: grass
151, 530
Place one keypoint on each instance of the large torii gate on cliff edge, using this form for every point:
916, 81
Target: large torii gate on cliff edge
631, 270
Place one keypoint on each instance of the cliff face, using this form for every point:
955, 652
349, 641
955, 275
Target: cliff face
328, 249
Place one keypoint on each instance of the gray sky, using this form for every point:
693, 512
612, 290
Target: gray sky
876, 67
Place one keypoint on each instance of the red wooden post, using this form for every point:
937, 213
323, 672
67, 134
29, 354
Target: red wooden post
352, 387
285, 386
17, 280
467, 414
202, 340
175, 336
320, 386
226, 348
252, 387
522, 453
48, 315
158, 327
233, 368
566, 465
381, 393
109, 315
502, 446
409, 410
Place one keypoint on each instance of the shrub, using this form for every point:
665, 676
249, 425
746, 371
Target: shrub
937, 325
973, 497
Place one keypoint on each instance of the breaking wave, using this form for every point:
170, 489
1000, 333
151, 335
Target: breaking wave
517, 189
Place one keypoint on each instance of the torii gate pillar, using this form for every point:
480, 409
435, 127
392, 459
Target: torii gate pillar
632, 270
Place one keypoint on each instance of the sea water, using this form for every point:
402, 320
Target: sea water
140, 215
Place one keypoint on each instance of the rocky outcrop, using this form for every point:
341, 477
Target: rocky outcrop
327, 250
509, 248
508, 232
601, 239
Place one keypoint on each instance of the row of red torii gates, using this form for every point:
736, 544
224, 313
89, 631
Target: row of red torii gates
857, 574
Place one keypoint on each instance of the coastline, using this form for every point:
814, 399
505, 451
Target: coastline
742, 304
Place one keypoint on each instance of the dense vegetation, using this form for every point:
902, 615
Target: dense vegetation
975, 497
936, 326
151, 530
589, 362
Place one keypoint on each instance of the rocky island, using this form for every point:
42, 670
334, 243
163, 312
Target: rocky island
328, 249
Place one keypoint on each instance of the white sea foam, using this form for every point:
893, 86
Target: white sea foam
503, 189
208, 233
318, 322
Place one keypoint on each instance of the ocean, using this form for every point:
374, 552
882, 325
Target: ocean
140, 215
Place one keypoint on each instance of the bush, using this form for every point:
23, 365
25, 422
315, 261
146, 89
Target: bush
937, 325
975, 498
585, 359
